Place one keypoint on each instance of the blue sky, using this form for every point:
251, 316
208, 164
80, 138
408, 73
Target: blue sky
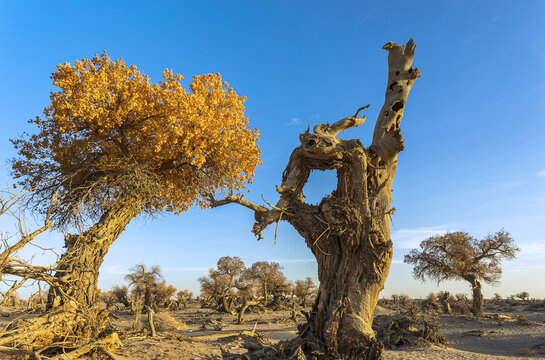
474, 128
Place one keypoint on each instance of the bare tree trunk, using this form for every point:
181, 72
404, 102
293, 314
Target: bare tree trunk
151, 323
247, 303
478, 300
226, 304
349, 231
444, 299
79, 266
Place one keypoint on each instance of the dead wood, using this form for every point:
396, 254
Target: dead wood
247, 303
349, 230
67, 332
408, 329
151, 313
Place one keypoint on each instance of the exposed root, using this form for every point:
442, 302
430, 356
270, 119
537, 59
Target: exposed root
408, 329
66, 333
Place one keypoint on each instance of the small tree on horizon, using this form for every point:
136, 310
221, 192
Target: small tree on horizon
148, 285
218, 285
524, 295
304, 289
268, 275
457, 255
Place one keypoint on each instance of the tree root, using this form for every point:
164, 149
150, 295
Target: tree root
65, 333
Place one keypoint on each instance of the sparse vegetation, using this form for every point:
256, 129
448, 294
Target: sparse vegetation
304, 289
110, 146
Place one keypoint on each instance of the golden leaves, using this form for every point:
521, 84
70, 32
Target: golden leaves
107, 115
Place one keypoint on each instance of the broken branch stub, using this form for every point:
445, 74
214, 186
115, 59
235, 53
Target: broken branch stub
349, 230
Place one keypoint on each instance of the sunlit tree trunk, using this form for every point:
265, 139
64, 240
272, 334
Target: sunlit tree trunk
79, 266
478, 300
349, 231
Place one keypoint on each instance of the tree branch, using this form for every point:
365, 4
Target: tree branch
387, 139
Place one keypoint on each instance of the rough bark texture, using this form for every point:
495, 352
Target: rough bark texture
79, 266
247, 303
348, 232
478, 299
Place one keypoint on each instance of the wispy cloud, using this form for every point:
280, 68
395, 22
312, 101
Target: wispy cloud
187, 269
522, 268
116, 270
411, 238
294, 121
534, 248
293, 261
541, 173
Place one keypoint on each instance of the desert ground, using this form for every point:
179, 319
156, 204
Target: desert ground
506, 332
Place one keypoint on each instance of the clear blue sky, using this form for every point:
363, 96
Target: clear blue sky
474, 127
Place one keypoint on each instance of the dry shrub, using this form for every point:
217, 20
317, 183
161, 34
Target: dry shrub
431, 304
412, 328
163, 321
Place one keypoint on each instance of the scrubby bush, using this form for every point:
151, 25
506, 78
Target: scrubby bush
408, 328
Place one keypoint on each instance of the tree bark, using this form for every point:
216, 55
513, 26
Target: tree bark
478, 300
247, 303
78, 267
348, 232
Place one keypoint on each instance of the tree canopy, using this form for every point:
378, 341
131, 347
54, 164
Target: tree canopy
458, 255
110, 133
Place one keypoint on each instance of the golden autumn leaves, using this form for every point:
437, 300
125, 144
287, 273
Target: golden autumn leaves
107, 116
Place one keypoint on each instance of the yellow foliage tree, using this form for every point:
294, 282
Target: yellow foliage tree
113, 145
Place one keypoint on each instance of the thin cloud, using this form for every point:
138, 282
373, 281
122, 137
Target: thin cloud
294, 121
187, 269
116, 270
293, 261
522, 268
535, 248
541, 173
411, 238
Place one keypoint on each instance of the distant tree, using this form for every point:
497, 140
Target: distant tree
304, 289
281, 291
112, 145
121, 294
246, 287
523, 295
497, 298
163, 294
268, 275
457, 255
183, 297
219, 284
431, 302
148, 285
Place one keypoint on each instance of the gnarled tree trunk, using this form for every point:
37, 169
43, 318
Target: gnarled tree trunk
78, 267
478, 300
348, 232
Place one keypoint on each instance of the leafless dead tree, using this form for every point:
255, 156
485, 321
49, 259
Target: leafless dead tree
349, 230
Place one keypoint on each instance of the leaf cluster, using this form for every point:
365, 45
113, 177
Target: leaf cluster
110, 134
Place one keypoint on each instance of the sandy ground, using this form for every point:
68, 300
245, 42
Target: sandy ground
197, 333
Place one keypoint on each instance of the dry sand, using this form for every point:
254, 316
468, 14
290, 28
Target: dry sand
197, 333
